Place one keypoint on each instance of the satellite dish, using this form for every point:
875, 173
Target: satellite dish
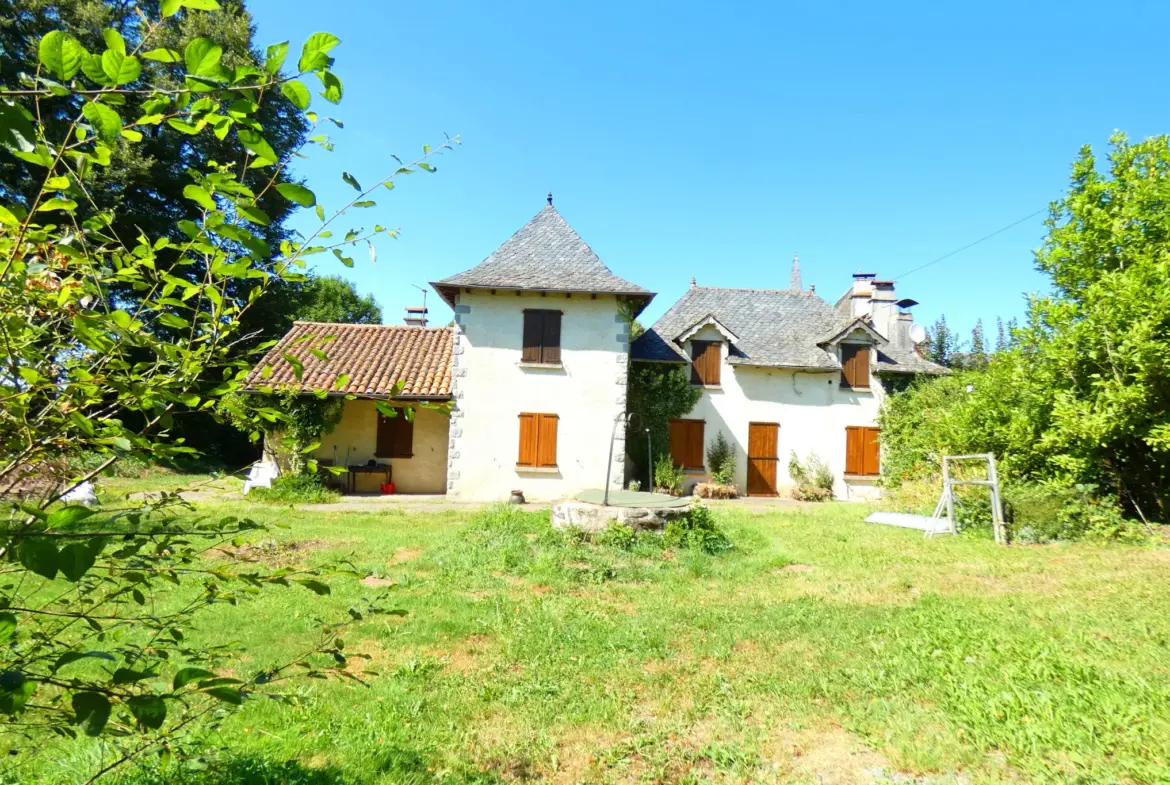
917, 333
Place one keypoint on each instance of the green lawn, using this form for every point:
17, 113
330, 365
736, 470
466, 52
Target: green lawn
821, 650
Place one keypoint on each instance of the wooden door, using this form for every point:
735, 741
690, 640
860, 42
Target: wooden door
763, 447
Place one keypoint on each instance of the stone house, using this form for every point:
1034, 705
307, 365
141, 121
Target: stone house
524, 391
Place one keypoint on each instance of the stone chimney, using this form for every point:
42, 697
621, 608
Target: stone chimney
873, 299
416, 317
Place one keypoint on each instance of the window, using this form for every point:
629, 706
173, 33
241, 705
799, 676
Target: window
686, 444
705, 361
395, 436
862, 451
538, 441
542, 337
854, 366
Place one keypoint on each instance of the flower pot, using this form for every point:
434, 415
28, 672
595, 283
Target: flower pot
387, 488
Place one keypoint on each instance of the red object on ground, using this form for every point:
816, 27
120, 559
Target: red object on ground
387, 488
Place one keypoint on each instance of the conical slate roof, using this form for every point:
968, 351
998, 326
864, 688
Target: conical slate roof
546, 254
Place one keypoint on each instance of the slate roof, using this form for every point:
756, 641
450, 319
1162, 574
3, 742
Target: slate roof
776, 328
374, 356
546, 254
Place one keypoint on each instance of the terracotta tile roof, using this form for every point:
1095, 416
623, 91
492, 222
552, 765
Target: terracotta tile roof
373, 356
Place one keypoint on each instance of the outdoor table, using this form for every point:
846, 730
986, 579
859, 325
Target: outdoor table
364, 468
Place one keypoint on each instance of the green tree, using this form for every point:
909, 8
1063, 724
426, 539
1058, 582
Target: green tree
657, 394
334, 299
977, 357
1104, 333
106, 339
941, 342
1001, 340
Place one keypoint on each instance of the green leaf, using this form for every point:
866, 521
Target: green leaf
67, 516
7, 626
253, 214
62, 54
200, 196
38, 554
114, 41
74, 656
365, 203
226, 694
349, 178
257, 144
91, 711
150, 710
120, 68
92, 67
75, 560
297, 94
202, 57
274, 57
173, 321
315, 586
106, 122
201, 5
346, 260
59, 203
187, 675
163, 55
7, 218
16, 129
170, 7
333, 89
297, 193
314, 54
311, 447
298, 367
427, 167
128, 676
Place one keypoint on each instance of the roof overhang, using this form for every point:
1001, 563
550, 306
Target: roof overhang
448, 292
277, 389
862, 324
707, 321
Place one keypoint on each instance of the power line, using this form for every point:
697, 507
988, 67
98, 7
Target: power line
971, 245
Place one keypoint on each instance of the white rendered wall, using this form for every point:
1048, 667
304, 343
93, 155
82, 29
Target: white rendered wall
492, 389
810, 407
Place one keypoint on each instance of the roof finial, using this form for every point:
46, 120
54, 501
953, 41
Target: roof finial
692, 283
550, 198
794, 282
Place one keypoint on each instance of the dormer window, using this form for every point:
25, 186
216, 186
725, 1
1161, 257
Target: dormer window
854, 366
705, 362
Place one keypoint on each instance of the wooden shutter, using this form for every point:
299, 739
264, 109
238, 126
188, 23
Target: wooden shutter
546, 441
686, 443
550, 345
395, 437
862, 451
705, 361
533, 334
871, 452
528, 433
854, 366
854, 458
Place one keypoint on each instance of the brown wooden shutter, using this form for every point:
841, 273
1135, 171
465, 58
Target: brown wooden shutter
854, 366
404, 436
871, 462
384, 445
528, 436
854, 456
705, 361
686, 443
533, 333
551, 338
546, 441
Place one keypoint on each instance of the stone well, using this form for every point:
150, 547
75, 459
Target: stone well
639, 511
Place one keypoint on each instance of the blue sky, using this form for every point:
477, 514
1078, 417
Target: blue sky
713, 140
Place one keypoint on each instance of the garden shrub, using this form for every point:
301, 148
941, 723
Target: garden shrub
1044, 512
667, 476
295, 489
721, 460
697, 530
617, 535
813, 478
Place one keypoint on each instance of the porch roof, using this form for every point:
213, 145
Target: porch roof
366, 360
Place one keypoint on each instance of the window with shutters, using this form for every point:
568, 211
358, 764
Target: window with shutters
538, 441
862, 451
854, 366
542, 337
686, 444
705, 362
395, 436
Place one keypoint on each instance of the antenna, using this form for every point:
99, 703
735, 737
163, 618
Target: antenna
424, 291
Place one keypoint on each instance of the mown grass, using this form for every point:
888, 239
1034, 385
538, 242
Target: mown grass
820, 649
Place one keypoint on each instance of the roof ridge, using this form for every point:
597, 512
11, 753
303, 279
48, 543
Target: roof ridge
752, 289
378, 326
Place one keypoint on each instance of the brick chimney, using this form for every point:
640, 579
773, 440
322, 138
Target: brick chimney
875, 299
416, 317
